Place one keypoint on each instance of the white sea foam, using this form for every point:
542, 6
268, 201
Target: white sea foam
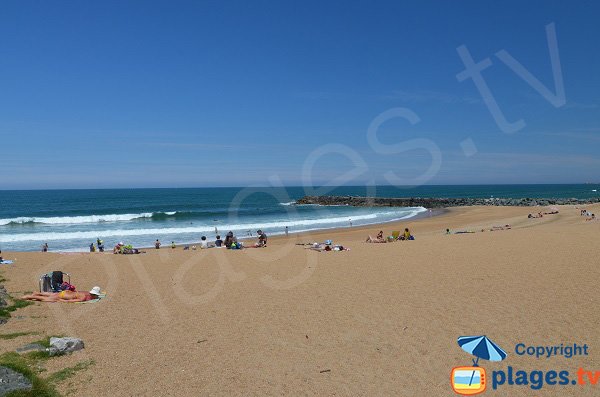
288, 203
294, 224
72, 220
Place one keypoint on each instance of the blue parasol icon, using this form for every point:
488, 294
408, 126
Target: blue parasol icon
481, 347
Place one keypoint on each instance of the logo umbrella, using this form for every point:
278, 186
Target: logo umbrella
481, 347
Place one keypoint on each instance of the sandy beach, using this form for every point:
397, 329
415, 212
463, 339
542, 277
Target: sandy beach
378, 320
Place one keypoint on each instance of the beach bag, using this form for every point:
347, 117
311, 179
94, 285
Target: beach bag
57, 280
67, 287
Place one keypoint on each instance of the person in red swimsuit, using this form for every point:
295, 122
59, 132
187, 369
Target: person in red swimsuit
64, 296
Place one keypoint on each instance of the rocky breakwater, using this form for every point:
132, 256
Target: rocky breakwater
432, 202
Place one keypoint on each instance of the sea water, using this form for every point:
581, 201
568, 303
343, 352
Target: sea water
70, 220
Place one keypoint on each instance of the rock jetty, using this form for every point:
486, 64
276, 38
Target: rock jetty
432, 202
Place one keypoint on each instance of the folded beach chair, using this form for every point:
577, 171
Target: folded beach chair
396, 234
51, 282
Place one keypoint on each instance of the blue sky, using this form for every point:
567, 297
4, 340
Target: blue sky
235, 93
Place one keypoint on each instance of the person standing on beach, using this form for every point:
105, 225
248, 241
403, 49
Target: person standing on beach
157, 244
286, 230
45, 247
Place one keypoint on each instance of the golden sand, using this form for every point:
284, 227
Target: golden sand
380, 319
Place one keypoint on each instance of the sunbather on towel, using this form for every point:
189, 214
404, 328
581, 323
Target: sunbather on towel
64, 296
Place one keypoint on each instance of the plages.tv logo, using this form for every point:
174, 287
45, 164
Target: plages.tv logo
471, 380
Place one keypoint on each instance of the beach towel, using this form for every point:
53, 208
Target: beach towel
6, 262
102, 295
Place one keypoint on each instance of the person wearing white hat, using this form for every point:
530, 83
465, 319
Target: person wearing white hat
64, 296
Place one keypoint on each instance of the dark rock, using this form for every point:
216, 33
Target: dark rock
60, 346
437, 202
31, 347
3, 296
11, 380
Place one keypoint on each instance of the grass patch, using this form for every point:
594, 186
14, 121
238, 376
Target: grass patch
40, 387
66, 373
16, 335
37, 355
16, 304
29, 365
46, 341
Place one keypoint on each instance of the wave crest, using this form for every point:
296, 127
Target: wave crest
73, 220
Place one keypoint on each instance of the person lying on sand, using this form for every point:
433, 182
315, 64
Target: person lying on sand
64, 296
505, 227
327, 247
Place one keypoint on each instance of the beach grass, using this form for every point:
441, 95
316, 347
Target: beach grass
29, 365
16, 335
40, 387
16, 304
68, 372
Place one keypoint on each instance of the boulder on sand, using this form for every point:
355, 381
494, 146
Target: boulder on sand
60, 346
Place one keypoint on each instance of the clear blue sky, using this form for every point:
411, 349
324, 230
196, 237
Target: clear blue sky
195, 93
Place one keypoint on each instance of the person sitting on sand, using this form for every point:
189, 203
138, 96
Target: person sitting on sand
262, 238
591, 218
64, 296
406, 235
380, 235
117, 248
218, 242
203, 243
370, 239
230, 239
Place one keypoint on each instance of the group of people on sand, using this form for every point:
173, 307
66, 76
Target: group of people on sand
541, 214
589, 216
126, 249
230, 242
99, 247
396, 236
325, 246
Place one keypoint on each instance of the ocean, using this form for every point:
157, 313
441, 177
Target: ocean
70, 220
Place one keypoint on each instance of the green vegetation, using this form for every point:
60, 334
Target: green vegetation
16, 304
66, 373
16, 335
40, 387
29, 365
